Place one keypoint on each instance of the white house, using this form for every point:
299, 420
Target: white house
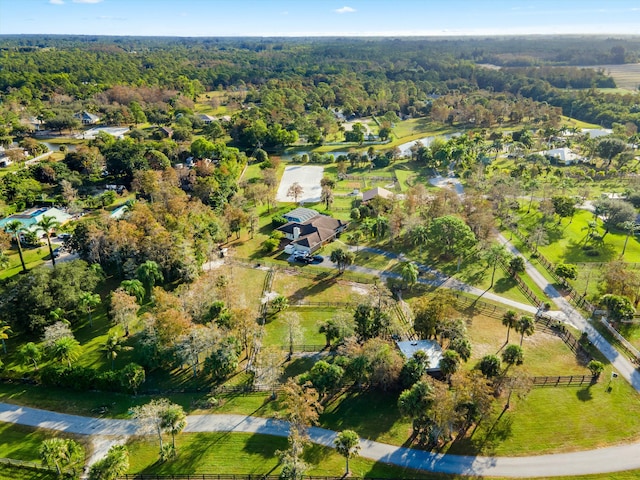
563, 156
430, 347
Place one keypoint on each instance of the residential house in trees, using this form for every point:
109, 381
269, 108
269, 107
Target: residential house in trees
563, 156
431, 348
377, 192
308, 230
87, 118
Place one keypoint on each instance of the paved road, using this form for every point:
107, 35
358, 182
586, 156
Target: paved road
108, 431
435, 278
573, 317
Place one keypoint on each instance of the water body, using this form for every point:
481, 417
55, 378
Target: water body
55, 147
405, 148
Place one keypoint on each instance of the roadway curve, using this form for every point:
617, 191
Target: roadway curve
603, 460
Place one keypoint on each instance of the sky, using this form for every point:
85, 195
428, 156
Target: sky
268, 18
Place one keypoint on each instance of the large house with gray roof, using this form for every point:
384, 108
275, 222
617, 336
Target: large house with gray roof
308, 230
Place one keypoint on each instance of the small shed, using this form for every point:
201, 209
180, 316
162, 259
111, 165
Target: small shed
430, 347
376, 192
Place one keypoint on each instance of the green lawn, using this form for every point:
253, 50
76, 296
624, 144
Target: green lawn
323, 287
566, 241
33, 257
567, 418
8, 472
22, 443
250, 454
277, 332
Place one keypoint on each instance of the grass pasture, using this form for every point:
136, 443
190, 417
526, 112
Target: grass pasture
626, 76
253, 454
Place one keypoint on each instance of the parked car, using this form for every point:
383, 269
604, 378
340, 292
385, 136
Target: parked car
317, 259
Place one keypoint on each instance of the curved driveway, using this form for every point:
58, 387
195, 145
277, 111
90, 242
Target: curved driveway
610, 459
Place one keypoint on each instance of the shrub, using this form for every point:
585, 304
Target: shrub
278, 221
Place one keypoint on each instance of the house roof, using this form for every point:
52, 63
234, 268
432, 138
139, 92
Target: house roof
430, 347
30, 217
376, 192
206, 118
314, 231
88, 116
563, 154
301, 214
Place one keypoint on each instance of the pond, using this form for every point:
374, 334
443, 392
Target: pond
55, 147
405, 148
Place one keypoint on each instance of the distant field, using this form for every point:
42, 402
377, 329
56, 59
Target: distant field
626, 76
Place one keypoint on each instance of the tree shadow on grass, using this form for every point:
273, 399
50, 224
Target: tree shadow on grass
575, 253
584, 394
370, 413
485, 437
315, 454
266, 446
297, 366
323, 281
188, 457
504, 285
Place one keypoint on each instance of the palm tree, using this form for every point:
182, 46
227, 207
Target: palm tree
59, 315
450, 363
16, 227
47, 224
509, 320
30, 353
525, 326
66, 349
53, 452
149, 274
409, 273
174, 420
347, 444
111, 347
513, 355
355, 237
135, 288
89, 300
4, 335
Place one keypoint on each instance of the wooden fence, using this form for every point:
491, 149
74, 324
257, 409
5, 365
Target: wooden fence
563, 381
623, 343
229, 476
24, 464
576, 298
524, 288
543, 322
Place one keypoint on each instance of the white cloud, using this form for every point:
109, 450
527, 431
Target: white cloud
86, 1
56, 2
345, 10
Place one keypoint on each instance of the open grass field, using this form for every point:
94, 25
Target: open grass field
325, 287
33, 257
251, 454
22, 443
566, 240
277, 331
627, 76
